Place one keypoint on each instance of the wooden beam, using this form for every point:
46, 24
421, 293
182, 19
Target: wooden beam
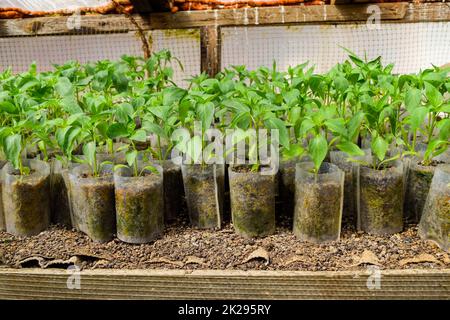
223, 284
210, 49
279, 15
93, 24
89, 24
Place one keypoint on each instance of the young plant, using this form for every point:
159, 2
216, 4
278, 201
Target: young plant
160, 118
252, 110
428, 112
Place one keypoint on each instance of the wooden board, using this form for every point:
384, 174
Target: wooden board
91, 24
277, 15
223, 284
210, 50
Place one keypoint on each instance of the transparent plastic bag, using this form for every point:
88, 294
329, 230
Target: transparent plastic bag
139, 204
252, 196
59, 193
287, 187
2, 216
318, 202
435, 221
173, 190
341, 160
204, 188
418, 184
92, 202
380, 199
26, 200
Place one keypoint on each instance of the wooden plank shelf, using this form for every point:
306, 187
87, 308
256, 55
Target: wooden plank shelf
223, 284
345, 13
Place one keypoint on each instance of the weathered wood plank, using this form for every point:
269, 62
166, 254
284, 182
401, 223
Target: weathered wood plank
210, 50
427, 12
223, 284
279, 15
91, 24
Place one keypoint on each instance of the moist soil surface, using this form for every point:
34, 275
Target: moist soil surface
183, 247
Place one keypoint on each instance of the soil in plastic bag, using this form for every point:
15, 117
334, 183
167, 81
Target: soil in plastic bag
93, 204
2, 216
380, 208
204, 188
59, 195
286, 199
252, 197
173, 190
417, 187
139, 205
341, 160
435, 221
26, 198
318, 203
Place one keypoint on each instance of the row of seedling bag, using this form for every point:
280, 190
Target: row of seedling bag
135, 206
106, 130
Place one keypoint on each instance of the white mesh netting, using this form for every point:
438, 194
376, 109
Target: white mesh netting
410, 46
19, 52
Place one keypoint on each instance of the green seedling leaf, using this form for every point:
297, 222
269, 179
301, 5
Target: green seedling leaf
8, 107
275, 123
413, 98
417, 117
131, 157
318, 148
64, 87
120, 166
350, 148
12, 149
294, 151
90, 152
433, 95
337, 126
379, 147
117, 130
206, 112
150, 168
139, 135
435, 148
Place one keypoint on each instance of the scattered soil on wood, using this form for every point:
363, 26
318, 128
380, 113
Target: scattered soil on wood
183, 247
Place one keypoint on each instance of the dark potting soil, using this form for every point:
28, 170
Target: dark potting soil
173, 190
350, 205
140, 209
252, 199
26, 203
381, 201
102, 175
433, 163
243, 169
17, 172
183, 247
205, 209
418, 185
435, 223
60, 207
94, 208
317, 215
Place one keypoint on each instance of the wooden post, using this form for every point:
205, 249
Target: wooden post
210, 49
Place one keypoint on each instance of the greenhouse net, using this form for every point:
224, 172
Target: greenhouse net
410, 46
